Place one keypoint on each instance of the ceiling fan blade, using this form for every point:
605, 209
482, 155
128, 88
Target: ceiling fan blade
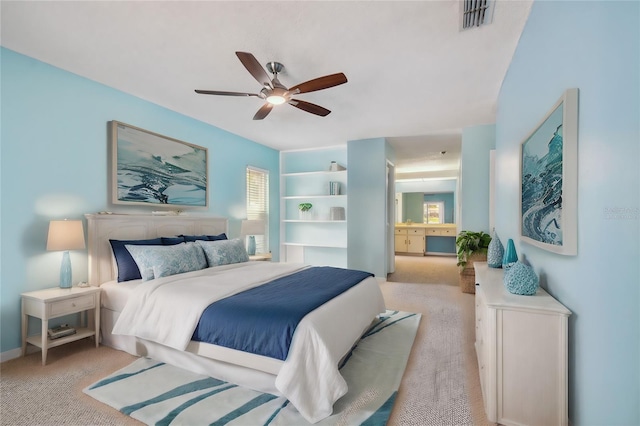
263, 111
320, 83
217, 92
255, 69
309, 107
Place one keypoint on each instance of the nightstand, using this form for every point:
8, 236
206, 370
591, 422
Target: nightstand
56, 302
263, 257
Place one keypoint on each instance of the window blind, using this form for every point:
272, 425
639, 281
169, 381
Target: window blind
258, 203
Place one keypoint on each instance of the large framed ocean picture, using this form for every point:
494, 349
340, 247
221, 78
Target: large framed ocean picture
549, 179
151, 169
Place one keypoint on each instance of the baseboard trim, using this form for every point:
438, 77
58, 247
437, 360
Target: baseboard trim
17, 353
9, 355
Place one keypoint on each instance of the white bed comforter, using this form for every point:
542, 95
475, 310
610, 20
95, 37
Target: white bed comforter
167, 311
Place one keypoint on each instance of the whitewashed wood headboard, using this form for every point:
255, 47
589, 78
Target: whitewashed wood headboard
103, 227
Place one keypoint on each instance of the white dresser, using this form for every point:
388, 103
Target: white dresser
521, 344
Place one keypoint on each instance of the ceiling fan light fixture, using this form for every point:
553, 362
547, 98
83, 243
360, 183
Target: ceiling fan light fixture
277, 96
276, 99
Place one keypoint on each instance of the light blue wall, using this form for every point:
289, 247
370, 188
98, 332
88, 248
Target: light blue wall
367, 243
413, 207
54, 165
313, 159
477, 142
594, 46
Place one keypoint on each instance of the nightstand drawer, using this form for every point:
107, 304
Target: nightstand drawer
68, 306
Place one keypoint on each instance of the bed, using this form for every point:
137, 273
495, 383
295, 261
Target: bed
308, 376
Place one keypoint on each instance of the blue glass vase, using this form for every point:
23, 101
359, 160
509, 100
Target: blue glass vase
510, 255
495, 252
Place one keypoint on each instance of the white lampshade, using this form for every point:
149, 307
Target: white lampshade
252, 227
65, 235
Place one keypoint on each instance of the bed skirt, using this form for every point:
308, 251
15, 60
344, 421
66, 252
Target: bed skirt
243, 376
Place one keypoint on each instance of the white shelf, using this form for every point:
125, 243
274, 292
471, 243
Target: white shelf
81, 333
320, 172
314, 245
314, 221
302, 197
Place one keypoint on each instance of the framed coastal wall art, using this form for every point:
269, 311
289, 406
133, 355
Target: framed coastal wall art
549, 179
155, 170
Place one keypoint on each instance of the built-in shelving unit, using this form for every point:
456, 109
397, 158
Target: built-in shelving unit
314, 237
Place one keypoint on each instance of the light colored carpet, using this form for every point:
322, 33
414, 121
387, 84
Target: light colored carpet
443, 393
157, 393
31, 394
426, 269
441, 385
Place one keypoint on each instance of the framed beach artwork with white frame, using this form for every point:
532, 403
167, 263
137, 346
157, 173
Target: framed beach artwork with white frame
154, 170
549, 179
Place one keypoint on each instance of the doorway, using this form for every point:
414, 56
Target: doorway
430, 269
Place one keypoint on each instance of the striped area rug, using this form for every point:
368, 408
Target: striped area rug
160, 394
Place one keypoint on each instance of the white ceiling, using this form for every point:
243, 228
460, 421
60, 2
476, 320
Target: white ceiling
414, 77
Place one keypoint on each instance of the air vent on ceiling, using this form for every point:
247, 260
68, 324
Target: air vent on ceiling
476, 13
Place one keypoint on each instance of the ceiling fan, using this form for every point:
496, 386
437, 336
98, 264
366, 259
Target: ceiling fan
275, 93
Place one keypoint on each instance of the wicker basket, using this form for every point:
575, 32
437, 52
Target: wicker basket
468, 274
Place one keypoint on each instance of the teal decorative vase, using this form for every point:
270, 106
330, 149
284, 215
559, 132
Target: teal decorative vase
521, 279
510, 255
495, 252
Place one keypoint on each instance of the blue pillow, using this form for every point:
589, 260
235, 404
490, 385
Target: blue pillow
170, 241
161, 261
219, 237
222, 236
127, 267
224, 252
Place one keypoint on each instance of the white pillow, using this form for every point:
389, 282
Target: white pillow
224, 252
162, 261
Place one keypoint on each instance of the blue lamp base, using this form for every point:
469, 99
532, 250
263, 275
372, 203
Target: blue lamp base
251, 248
65, 271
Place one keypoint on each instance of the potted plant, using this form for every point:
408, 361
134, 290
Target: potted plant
304, 210
471, 247
469, 242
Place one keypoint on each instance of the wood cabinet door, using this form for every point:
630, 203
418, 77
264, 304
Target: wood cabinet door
401, 243
416, 244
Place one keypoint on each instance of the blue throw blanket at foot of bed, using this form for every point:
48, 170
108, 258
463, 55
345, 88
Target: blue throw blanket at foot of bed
262, 320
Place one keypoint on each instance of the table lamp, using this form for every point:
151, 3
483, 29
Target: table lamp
252, 228
65, 235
